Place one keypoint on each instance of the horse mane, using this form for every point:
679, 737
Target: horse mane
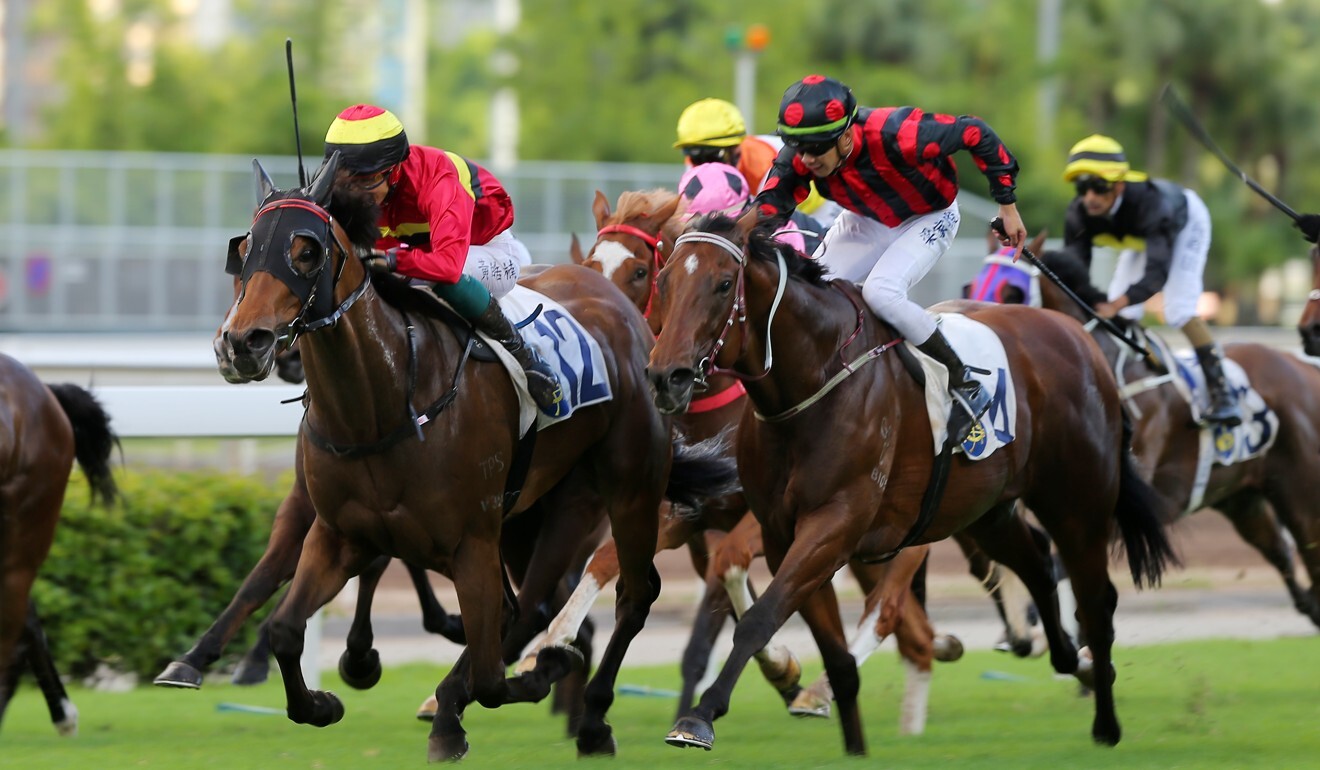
1074, 274
762, 246
641, 204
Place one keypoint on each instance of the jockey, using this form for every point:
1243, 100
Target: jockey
713, 131
444, 220
1163, 231
718, 188
891, 169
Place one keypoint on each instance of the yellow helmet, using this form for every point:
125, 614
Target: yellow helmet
710, 123
1101, 156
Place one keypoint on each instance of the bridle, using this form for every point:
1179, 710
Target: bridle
650, 240
314, 288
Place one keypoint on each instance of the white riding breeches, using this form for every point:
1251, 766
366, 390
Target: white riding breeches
497, 264
888, 262
1183, 287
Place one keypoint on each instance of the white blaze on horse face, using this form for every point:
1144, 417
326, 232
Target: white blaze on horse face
690, 264
610, 255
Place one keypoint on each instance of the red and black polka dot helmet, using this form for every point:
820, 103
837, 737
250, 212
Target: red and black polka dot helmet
815, 110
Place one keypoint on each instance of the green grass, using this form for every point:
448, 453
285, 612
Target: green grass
1222, 704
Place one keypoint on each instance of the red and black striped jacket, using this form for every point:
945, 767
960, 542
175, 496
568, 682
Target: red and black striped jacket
900, 167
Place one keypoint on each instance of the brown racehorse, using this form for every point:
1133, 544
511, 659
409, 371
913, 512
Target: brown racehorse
632, 245
435, 495
1279, 483
1309, 324
837, 454
45, 430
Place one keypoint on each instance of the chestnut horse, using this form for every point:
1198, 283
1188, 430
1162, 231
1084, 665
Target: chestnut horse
632, 245
432, 485
1309, 324
819, 454
1166, 440
46, 429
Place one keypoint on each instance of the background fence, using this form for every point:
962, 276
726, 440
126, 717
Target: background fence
128, 241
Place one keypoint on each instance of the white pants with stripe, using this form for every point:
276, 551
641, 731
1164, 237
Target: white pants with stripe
497, 264
1183, 287
888, 262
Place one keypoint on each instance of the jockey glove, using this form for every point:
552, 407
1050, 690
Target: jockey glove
378, 261
1309, 224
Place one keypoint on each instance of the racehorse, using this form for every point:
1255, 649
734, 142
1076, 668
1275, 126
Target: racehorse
632, 245
436, 491
1167, 439
47, 428
1309, 324
820, 460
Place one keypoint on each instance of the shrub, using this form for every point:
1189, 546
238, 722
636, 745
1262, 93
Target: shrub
135, 584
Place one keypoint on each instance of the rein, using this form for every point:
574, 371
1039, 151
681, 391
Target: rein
650, 240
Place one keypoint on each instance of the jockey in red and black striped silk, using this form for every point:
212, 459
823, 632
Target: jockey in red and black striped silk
891, 170
444, 220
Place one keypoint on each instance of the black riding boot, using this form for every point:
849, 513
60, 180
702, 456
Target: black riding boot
541, 380
1223, 402
968, 395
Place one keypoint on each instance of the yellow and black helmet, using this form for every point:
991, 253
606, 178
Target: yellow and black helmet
711, 123
369, 139
1100, 156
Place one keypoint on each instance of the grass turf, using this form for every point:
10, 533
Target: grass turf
1219, 704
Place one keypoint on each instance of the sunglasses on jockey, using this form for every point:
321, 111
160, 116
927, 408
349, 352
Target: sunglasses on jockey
1088, 183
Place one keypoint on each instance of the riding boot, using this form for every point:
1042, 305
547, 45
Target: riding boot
542, 382
970, 399
1224, 406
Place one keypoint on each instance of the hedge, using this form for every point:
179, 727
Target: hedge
135, 584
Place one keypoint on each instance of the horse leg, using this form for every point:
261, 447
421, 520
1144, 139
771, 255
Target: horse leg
1293, 500
1011, 600
800, 569
434, 618
292, 522
731, 561
326, 564
359, 665
715, 608
63, 714
1255, 523
254, 667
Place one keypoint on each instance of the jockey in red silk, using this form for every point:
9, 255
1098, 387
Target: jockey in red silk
444, 220
891, 170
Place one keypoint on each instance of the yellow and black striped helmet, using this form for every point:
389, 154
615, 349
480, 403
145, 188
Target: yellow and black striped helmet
1101, 156
369, 139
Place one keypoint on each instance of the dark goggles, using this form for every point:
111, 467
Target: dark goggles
814, 149
1095, 184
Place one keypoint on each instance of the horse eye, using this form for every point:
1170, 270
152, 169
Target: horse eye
724, 286
639, 274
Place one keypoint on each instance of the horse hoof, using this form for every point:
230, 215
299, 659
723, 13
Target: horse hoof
525, 666
68, 726
600, 747
691, 732
559, 659
181, 675
947, 648
446, 748
809, 705
360, 674
250, 673
327, 709
426, 711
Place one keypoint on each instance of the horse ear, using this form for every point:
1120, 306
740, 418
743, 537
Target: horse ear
1038, 242
747, 221
262, 184
600, 206
575, 251
319, 189
663, 214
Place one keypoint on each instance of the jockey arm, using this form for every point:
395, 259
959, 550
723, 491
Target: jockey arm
448, 209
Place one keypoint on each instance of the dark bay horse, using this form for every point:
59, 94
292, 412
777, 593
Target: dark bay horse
1166, 440
837, 466
436, 494
45, 429
632, 245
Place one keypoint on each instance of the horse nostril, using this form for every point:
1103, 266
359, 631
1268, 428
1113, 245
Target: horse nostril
258, 342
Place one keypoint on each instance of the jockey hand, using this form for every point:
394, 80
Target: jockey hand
1110, 309
378, 261
1015, 233
1309, 224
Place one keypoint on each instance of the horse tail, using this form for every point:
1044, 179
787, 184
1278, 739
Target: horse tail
93, 439
1139, 522
702, 471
